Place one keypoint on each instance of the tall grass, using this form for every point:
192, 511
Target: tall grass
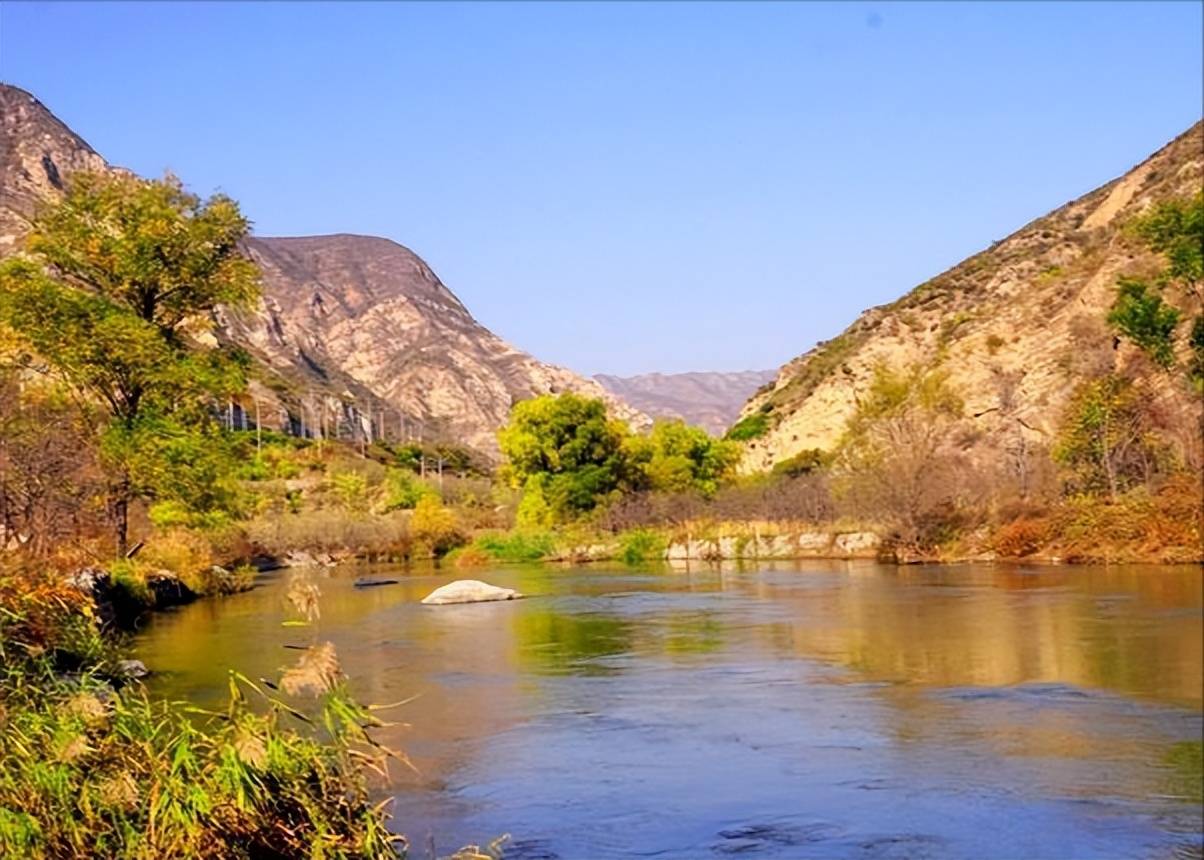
91, 768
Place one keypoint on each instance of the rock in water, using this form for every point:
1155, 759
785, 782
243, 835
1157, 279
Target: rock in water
469, 591
132, 669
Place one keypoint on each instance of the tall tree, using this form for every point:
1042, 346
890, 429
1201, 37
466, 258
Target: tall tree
119, 278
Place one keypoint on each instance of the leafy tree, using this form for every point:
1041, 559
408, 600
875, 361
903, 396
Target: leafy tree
435, 525
1141, 315
1145, 311
119, 275
676, 457
1105, 442
570, 445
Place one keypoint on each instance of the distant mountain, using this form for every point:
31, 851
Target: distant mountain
354, 333
1016, 327
710, 400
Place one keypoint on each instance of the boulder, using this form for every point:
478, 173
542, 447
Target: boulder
857, 543
469, 591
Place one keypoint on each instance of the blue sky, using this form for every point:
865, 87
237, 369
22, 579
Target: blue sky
631, 187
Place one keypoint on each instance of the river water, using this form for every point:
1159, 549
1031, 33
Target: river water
842, 709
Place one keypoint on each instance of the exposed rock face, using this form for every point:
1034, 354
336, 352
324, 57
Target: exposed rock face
1016, 326
469, 591
710, 400
355, 334
373, 311
36, 153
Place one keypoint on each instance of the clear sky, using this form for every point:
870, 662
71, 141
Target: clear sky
631, 187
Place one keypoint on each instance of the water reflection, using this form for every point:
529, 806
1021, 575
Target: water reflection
828, 709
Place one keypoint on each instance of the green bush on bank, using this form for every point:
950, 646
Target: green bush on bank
642, 545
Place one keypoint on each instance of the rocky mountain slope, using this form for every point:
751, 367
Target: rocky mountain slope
710, 400
1016, 326
355, 334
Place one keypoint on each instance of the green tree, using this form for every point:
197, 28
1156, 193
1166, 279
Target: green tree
119, 277
1148, 311
676, 457
1105, 443
570, 445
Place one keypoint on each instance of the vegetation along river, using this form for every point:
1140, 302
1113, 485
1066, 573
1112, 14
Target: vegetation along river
811, 710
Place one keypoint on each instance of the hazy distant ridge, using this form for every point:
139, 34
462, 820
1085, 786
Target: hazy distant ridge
710, 400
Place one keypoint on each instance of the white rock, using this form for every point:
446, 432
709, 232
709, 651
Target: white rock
814, 541
469, 591
853, 543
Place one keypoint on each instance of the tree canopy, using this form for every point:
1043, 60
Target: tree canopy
1147, 311
568, 457
116, 278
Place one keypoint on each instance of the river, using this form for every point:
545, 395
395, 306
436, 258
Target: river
817, 709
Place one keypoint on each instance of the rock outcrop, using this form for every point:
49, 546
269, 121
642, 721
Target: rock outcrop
1016, 327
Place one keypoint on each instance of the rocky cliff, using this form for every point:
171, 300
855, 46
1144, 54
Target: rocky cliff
710, 400
354, 334
1016, 326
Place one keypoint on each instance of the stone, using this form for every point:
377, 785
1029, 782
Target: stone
469, 591
857, 543
132, 669
814, 542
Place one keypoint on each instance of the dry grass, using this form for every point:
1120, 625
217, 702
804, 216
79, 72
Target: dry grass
333, 530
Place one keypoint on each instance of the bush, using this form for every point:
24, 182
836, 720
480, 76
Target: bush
352, 490
749, 427
1021, 537
182, 552
435, 526
403, 490
517, 546
641, 546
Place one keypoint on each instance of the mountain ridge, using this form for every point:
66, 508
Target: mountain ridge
1015, 325
351, 325
707, 399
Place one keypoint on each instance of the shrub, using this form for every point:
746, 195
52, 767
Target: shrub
749, 427
803, 463
352, 490
518, 546
435, 526
1021, 537
403, 490
642, 545
182, 552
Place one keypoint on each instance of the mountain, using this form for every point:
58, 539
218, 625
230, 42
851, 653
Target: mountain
709, 400
354, 334
1016, 327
